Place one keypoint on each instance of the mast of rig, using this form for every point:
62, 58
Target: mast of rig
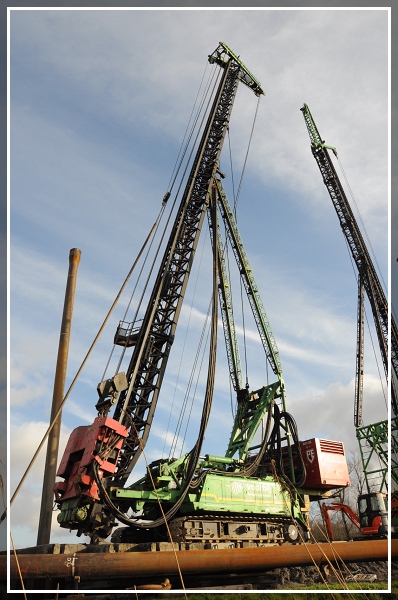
251, 406
375, 436
152, 342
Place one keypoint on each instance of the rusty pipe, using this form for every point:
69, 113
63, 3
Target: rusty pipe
141, 564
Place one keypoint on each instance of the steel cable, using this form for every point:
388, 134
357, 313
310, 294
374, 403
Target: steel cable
185, 401
59, 411
247, 154
158, 221
171, 185
275, 449
194, 454
362, 223
355, 271
189, 385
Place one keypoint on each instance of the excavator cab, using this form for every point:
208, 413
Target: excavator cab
373, 514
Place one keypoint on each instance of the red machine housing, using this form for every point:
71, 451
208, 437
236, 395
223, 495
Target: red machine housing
325, 464
100, 442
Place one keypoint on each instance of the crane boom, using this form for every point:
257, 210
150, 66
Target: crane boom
373, 439
362, 259
260, 316
251, 407
145, 373
226, 305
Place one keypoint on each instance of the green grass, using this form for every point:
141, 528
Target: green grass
280, 596
370, 587
379, 585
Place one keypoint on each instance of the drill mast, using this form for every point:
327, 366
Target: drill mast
155, 337
372, 439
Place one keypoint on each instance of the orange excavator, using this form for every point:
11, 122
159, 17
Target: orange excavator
371, 520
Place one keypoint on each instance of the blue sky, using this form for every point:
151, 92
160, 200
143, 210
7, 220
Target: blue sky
99, 102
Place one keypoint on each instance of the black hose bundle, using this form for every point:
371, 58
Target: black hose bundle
195, 452
274, 449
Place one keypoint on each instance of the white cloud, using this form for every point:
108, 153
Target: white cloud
86, 414
121, 79
323, 413
25, 439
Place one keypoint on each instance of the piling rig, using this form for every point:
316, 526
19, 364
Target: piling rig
255, 493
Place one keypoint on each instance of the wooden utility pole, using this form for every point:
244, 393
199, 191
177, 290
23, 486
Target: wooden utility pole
47, 499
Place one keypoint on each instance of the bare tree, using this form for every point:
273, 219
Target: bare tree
357, 476
343, 528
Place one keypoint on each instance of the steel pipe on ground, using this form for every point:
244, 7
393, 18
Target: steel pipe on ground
141, 564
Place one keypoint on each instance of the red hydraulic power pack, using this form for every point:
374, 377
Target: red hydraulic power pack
325, 464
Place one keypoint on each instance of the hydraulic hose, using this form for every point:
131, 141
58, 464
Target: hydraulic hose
274, 448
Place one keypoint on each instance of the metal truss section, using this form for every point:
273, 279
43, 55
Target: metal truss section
136, 406
260, 316
394, 451
359, 358
312, 129
373, 443
222, 54
249, 415
363, 261
226, 306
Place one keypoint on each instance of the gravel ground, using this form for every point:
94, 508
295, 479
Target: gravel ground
302, 577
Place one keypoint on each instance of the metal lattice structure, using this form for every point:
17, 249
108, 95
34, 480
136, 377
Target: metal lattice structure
360, 254
136, 405
226, 305
251, 407
252, 292
374, 442
373, 439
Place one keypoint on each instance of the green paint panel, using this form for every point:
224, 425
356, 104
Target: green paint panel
239, 494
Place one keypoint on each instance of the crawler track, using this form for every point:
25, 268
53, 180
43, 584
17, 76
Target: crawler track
217, 531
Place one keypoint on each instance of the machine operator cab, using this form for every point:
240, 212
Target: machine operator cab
373, 514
